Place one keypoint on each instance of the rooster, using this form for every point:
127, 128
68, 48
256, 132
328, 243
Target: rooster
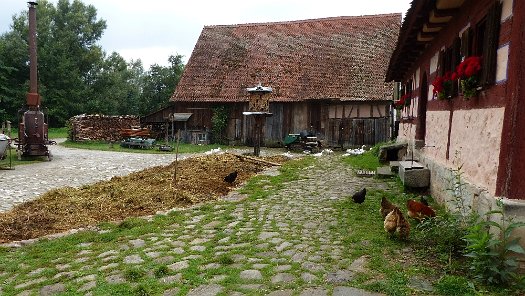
231, 177
395, 222
419, 210
386, 207
359, 197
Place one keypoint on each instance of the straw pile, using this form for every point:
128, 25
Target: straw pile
199, 179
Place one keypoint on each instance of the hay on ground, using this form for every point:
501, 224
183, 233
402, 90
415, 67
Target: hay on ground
199, 179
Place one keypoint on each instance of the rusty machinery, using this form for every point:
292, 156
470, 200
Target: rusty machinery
32, 130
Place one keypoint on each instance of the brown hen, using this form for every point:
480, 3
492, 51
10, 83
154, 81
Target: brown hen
386, 207
419, 210
395, 222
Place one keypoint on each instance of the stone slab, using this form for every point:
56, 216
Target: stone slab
384, 172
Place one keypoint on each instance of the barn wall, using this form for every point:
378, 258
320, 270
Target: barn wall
351, 124
296, 117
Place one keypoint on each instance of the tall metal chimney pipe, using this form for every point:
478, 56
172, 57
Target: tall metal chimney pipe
33, 99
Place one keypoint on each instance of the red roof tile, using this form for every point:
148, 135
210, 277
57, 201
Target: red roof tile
332, 58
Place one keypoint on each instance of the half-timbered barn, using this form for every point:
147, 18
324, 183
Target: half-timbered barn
327, 76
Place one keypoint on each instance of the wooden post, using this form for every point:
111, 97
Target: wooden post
176, 159
258, 134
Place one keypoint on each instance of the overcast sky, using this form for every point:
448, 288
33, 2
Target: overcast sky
154, 29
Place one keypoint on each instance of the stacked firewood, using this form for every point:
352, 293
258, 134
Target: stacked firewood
102, 127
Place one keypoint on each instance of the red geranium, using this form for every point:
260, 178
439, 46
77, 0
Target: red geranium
443, 85
468, 71
403, 101
469, 67
438, 84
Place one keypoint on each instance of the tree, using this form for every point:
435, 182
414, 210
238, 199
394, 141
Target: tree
159, 84
13, 73
75, 74
67, 55
116, 88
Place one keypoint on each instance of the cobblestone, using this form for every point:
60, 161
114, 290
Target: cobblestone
261, 247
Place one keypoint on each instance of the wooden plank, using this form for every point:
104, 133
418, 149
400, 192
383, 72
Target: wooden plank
254, 159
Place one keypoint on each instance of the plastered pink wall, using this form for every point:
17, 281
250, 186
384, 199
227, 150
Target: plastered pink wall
436, 140
475, 143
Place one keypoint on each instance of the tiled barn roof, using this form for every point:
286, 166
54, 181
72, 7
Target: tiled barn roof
343, 58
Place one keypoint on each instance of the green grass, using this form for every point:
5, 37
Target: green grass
12, 158
57, 133
436, 245
392, 263
365, 161
104, 146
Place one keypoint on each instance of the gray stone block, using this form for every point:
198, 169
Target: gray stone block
414, 174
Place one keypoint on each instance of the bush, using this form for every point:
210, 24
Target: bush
219, 121
491, 250
445, 233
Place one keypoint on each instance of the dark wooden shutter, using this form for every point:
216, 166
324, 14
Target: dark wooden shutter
441, 63
466, 43
490, 46
456, 59
448, 60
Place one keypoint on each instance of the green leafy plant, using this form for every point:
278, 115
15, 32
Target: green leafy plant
219, 121
444, 233
462, 211
492, 249
454, 285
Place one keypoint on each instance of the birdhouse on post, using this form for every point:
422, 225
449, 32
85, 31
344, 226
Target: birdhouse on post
259, 107
259, 98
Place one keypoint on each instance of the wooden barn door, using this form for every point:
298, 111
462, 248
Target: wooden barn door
368, 131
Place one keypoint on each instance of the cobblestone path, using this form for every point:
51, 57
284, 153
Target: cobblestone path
284, 244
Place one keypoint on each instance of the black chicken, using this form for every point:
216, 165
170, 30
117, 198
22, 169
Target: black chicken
359, 197
231, 177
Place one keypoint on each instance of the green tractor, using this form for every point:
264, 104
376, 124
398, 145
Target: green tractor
302, 142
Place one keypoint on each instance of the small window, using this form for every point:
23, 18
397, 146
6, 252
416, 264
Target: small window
483, 41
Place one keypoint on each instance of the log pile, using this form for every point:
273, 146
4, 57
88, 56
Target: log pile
101, 127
